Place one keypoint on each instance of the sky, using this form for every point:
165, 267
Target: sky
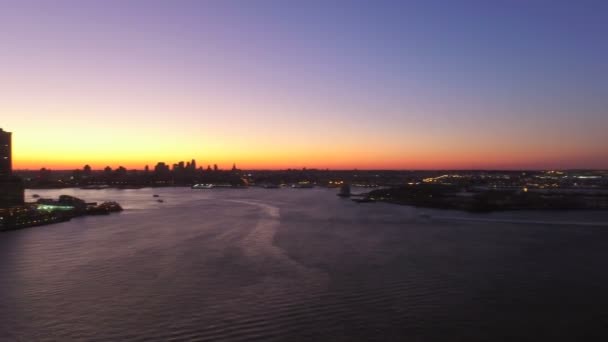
318, 84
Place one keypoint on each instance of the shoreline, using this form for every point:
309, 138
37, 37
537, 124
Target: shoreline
50, 211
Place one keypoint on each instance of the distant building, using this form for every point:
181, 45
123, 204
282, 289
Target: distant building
12, 191
87, 171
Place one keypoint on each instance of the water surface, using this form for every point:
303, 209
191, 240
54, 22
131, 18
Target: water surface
301, 264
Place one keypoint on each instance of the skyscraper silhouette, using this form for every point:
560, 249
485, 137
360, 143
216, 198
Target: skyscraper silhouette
6, 166
11, 187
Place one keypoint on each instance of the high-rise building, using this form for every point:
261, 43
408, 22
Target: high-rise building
6, 166
11, 187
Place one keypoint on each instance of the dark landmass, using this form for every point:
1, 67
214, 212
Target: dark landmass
454, 197
474, 190
187, 174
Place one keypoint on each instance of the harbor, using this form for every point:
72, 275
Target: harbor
48, 211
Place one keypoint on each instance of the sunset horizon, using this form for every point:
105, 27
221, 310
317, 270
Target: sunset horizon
273, 86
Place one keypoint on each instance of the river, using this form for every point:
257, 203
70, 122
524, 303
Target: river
301, 265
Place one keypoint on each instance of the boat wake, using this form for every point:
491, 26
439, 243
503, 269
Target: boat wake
258, 245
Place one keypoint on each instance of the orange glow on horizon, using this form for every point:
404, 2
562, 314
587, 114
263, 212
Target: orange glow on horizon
108, 85
346, 160
70, 142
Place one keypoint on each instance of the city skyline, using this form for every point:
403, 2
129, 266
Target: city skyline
206, 166
270, 85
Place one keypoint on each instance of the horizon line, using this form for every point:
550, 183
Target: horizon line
349, 169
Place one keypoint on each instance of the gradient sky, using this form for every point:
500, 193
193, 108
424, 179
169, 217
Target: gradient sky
327, 84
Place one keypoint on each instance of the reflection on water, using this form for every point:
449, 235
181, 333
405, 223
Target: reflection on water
301, 264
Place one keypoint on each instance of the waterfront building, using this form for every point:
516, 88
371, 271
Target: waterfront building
12, 191
5, 153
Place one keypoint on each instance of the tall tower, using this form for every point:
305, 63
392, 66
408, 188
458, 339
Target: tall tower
11, 187
6, 160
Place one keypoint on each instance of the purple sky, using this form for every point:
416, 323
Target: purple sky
374, 84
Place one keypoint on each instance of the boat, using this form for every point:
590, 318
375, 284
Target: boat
35, 196
155, 195
202, 186
218, 186
104, 208
159, 200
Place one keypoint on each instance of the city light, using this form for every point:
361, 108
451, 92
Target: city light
48, 207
